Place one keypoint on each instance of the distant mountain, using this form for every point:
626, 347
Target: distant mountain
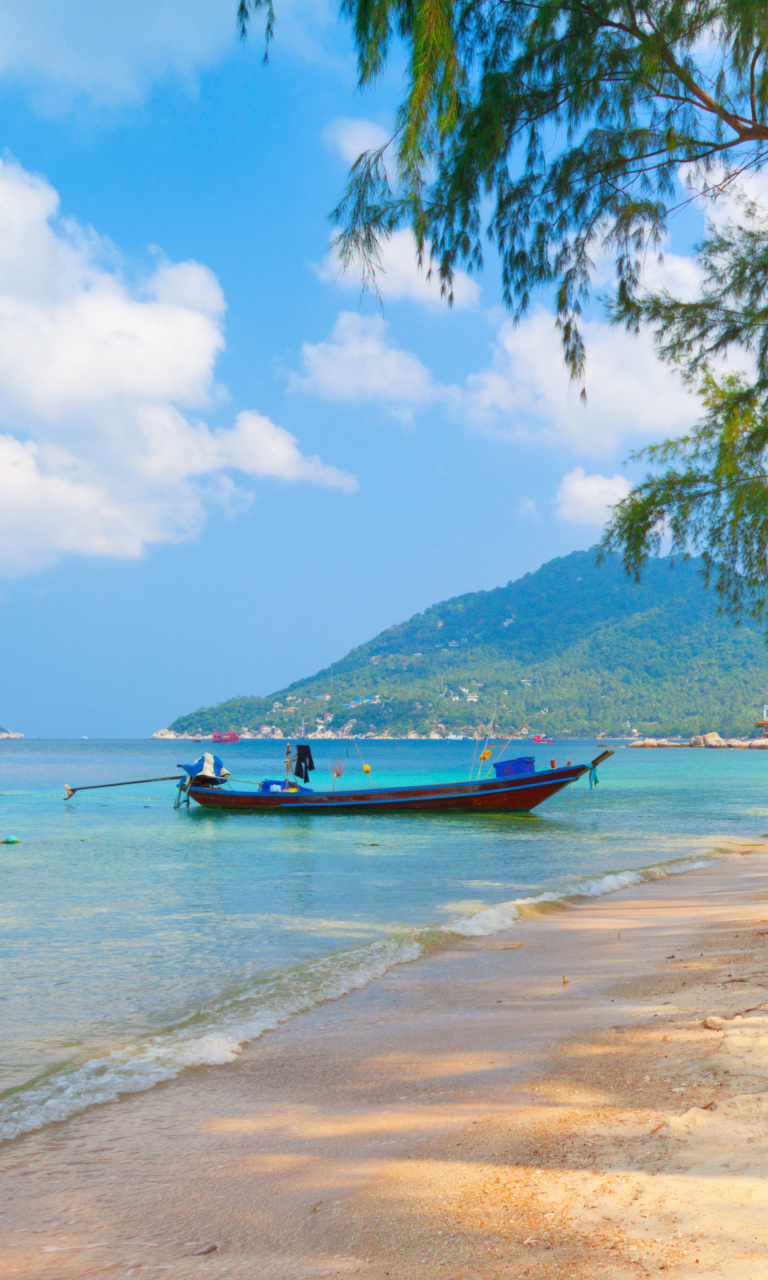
596, 653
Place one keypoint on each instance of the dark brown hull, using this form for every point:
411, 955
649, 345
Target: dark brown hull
497, 796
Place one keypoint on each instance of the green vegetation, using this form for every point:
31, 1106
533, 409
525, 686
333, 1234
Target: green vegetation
711, 495
598, 652
563, 135
551, 131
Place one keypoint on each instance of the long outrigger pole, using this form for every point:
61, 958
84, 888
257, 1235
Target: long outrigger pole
98, 786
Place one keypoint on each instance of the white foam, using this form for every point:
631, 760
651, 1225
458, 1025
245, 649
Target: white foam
135, 1068
234, 1022
506, 914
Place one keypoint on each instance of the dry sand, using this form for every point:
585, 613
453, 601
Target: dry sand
591, 1103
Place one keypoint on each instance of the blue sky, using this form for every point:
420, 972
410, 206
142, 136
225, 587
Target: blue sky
220, 467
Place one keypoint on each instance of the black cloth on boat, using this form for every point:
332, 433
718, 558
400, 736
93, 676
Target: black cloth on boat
304, 761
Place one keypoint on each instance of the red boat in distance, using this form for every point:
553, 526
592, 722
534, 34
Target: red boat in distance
230, 736
539, 737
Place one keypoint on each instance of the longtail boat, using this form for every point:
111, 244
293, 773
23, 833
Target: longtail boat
517, 787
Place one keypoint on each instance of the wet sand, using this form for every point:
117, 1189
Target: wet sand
593, 1102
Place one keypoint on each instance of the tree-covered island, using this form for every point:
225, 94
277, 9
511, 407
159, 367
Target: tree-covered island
576, 649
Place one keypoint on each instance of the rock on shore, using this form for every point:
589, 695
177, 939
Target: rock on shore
713, 741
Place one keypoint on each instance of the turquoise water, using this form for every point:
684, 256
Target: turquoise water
136, 940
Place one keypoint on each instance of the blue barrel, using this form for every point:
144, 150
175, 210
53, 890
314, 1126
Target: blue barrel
515, 768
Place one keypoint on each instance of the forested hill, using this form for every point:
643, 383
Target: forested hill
596, 652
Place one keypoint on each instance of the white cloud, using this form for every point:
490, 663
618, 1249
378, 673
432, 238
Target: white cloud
679, 275
525, 393
526, 509
587, 499
98, 453
350, 136
109, 52
400, 275
730, 205
309, 29
106, 50
359, 363
257, 447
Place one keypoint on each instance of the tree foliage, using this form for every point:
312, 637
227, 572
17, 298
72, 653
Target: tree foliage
553, 129
561, 130
714, 498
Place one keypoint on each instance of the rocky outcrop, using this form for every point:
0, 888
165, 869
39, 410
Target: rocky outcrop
711, 740
8, 733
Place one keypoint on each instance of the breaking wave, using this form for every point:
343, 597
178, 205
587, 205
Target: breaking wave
219, 1033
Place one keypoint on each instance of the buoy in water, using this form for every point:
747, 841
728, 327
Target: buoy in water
11, 840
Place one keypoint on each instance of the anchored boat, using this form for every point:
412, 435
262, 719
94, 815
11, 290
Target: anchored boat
517, 786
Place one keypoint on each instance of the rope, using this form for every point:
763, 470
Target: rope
366, 767
472, 766
507, 743
514, 735
488, 744
25, 795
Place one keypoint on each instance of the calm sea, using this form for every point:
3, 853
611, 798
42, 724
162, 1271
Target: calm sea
136, 940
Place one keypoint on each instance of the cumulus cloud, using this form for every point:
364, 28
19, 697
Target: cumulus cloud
108, 53
359, 362
99, 452
525, 392
400, 276
587, 499
350, 136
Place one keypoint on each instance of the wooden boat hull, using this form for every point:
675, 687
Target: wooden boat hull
503, 795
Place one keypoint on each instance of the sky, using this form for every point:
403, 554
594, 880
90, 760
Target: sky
222, 465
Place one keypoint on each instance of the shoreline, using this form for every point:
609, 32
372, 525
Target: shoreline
73, 1088
450, 1117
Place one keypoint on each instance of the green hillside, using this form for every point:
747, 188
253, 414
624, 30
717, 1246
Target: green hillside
595, 650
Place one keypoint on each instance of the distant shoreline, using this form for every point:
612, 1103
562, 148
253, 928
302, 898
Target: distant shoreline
710, 741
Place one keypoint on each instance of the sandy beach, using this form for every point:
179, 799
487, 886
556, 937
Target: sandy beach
585, 1095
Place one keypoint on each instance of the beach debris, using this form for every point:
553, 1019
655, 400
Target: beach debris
207, 1248
565, 981
315, 1207
512, 946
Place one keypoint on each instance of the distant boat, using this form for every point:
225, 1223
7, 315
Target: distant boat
539, 737
230, 736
